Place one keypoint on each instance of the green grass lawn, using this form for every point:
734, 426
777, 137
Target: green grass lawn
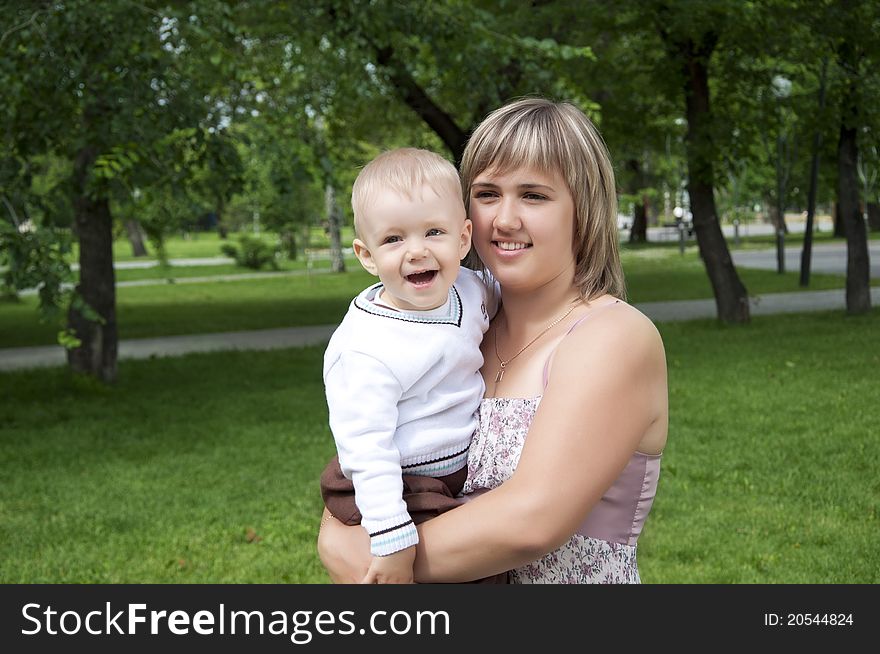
204, 468
207, 244
168, 309
193, 245
191, 469
181, 272
659, 273
653, 274
772, 472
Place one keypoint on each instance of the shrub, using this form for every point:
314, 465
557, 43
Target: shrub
251, 253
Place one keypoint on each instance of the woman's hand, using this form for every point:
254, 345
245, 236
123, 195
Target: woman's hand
344, 551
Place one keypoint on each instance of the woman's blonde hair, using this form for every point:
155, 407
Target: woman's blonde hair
557, 137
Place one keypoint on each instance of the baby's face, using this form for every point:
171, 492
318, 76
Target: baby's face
414, 245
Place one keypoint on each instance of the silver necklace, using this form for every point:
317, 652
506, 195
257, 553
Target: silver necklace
546, 329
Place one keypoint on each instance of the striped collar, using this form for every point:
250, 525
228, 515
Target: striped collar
452, 315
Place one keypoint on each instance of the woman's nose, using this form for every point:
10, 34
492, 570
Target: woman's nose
507, 216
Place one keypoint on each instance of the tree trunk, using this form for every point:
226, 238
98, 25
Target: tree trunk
839, 228
858, 289
776, 214
639, 231
773, 212
783, 165
288, 244
95, 324
136, 238
731, 298
807, 252
220, 211
874, 216
334, 226
858, 275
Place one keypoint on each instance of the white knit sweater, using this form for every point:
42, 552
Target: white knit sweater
403, 389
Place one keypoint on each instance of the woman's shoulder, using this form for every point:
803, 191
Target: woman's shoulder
611, 328
613, 363
612, 313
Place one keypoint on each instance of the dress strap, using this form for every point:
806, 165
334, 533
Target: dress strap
590, 314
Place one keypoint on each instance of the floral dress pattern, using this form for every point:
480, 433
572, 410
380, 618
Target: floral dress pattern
494, 455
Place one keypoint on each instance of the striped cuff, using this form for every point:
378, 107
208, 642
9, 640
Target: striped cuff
399, 536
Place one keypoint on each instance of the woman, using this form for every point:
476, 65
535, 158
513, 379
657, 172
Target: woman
567, 362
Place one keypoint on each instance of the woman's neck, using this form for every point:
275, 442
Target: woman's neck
525, 310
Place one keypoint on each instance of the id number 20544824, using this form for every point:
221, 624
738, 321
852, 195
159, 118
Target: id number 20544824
808, 619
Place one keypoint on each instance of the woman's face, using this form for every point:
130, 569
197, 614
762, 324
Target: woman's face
523, 226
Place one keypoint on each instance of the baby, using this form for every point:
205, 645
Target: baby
401, 372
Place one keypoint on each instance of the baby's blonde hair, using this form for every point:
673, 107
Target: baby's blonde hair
403, 171
557, 137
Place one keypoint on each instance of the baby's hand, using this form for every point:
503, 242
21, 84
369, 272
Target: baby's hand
395, 568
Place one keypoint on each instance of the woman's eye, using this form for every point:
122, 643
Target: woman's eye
534, 196
434, 232
484, 194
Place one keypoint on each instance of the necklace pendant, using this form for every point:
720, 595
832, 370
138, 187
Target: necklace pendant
499, 376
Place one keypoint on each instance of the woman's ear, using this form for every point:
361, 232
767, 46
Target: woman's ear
466, 233
362, 252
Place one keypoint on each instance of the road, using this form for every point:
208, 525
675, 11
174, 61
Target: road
826, 258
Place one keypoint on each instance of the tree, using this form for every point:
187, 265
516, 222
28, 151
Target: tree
634, 106
278, 182
107, 84
858, 40
375, 72
806, 252
690, 35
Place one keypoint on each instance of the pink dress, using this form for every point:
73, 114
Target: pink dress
603, 549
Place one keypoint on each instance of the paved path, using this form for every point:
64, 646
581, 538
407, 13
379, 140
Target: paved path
144, 348
825, 258
152, 263
268, 339
759, 305
795, 226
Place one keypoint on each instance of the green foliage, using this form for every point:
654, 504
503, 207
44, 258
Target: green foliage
36, 258
252, 253
278, 184
68, 339
250, 109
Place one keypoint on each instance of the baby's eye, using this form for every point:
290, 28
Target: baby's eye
434, 232
392, 239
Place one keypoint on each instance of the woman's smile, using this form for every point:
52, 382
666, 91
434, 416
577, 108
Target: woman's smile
511, 246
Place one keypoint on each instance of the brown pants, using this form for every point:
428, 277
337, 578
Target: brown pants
425, 497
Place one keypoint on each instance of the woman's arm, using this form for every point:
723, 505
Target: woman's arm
344, 551
607, 388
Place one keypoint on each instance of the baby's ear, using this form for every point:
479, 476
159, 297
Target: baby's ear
466, 233
362, 252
